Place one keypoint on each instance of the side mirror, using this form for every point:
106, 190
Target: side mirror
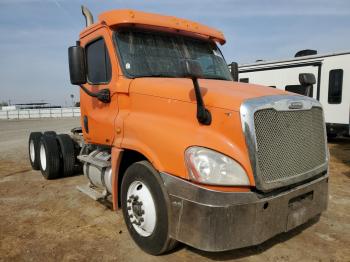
234, 71
192, 69
77, 69
307, 79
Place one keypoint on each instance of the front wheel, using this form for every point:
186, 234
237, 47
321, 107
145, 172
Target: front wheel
145, 208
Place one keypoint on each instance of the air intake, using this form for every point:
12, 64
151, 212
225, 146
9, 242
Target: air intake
305, 52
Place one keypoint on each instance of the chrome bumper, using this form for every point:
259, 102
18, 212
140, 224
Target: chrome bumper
217, 221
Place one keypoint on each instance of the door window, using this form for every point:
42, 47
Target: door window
335, 86
98, 62
244, 80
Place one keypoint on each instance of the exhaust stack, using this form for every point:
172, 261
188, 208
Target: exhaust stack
89, 19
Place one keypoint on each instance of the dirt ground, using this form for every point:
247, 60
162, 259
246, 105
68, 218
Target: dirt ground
44, 220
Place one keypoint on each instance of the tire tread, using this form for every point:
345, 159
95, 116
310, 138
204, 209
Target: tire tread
68, 154
53, 163
159, 241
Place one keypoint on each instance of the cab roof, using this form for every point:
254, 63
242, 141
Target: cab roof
127, 16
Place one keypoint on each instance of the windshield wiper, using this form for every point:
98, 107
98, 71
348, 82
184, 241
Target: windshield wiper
194, 71
179, 76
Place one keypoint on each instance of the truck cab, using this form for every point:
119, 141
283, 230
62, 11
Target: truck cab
187, 153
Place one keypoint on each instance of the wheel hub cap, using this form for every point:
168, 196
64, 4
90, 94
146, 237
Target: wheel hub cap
141, 208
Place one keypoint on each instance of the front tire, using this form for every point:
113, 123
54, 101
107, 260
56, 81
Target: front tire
145, 208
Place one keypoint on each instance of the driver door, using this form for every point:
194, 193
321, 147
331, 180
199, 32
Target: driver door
97, 118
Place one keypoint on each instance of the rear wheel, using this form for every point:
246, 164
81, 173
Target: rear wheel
68, 153
49, 157
33, 149
50, 133
145, 208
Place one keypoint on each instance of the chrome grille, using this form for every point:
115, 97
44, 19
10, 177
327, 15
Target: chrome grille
289, 143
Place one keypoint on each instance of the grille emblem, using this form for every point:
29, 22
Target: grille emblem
295, 105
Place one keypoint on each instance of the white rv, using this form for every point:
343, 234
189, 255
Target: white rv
332, 88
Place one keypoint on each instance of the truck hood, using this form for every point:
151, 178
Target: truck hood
216, 93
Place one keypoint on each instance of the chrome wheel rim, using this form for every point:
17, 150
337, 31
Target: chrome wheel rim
141, 208
43, 157
32, 151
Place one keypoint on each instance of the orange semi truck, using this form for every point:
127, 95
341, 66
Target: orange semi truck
188, 153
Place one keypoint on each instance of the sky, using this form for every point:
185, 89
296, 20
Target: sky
35, 35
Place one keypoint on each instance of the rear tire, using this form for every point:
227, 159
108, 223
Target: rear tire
33, 149
145, 208
49, 157
50, 133
68, 153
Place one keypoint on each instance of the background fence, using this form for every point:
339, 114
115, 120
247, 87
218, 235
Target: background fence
40, 113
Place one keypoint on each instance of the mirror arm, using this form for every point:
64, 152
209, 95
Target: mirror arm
103, 95
87, 91
308, 90
234, 71
203, 114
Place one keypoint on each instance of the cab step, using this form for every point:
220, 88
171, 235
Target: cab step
92, 192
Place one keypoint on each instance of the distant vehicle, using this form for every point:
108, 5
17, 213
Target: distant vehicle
332, 87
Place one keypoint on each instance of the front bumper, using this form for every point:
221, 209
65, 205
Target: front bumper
217, 221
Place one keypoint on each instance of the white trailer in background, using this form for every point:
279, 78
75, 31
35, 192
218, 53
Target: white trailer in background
332, 88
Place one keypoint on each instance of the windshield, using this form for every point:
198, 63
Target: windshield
156, 54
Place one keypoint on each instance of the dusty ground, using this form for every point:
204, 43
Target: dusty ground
44, 220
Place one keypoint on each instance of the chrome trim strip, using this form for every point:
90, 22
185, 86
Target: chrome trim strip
279, 103
189, 191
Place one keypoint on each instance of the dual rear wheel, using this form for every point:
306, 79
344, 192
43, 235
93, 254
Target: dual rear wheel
52, 154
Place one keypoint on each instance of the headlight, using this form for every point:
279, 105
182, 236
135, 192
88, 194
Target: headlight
210, 167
